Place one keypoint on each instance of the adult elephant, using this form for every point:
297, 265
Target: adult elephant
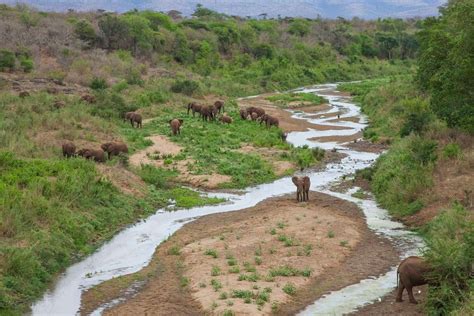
176, 126
69, 149
259, 111
219, 105
206, 113
411, 272
194, 107
243, 114
136, 118
114, 148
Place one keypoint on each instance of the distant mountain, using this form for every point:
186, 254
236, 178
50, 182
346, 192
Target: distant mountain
367, 9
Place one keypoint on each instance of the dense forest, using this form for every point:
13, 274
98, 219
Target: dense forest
420, 100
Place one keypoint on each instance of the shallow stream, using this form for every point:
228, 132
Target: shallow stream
133, 248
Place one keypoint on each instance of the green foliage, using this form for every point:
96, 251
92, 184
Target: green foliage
446, 64
26, 64
289, 288
452, 150
304, 99
288, 271
299, 27
450, 253
7, 60
41, 211
110, 105
187, 87
403, 173
98, 84
85, 32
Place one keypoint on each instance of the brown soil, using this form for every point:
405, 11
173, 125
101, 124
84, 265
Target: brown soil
388, 306
242, 234
338, 139
125, 180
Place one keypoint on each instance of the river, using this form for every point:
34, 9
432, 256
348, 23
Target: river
132, 249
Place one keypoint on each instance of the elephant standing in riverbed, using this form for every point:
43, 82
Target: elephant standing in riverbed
411, 272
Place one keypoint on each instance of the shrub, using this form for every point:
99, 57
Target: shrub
85, 32
187, 87
98, 84
26, 64
289, 289
452, 150
7, 60
450, 253
211, 252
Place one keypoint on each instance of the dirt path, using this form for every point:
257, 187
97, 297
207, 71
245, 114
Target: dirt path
322, 236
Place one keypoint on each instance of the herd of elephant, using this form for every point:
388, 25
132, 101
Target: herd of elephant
107, 150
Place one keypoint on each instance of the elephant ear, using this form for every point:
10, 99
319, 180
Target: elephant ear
181, 122
295, 180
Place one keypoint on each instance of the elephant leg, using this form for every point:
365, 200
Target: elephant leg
131, 122
297, 196
410, 295
400, 289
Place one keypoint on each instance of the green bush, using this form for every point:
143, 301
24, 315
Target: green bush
7, 60
98, 84
26, 64
85, 32
187, 87
452, 150
450, 253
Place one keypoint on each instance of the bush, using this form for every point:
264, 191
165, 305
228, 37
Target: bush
26, 64
187, 87
452, 150
98, 84
85, 32
7, 60
450, 253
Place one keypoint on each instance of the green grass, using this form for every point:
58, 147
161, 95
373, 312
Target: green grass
215, 271
211, 252
60, 211
288, 271
216, 285
289, 288
300, 99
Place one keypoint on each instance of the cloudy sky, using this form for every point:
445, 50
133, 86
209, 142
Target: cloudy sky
368, 9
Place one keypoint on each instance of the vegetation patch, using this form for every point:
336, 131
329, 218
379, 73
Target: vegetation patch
296, 100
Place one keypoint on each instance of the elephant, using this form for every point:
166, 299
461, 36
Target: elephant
283, 136
69, 149
244, 114
219, 105
254, 116
88, 98
258, 111
213, 112
97, 155
206, 113
176, 126
411, 272
226, 119
24, 94
194, 107
269, 120
298, 182
114, 148
306, 187
135, 118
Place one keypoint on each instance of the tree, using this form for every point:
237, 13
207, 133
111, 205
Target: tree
299, 27
85, 32
446, 63
115, 32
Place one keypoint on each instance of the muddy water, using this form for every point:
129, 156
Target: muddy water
132, 249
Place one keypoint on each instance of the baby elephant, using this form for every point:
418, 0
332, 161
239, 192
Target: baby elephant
114, 148
302, 188
226, 119
411, 272
176, 126
97, 155
69, 150
243, 114
219, 105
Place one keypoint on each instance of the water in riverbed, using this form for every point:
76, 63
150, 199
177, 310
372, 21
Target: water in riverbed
132, 249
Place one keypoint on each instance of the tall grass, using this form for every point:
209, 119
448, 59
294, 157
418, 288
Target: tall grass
450, 240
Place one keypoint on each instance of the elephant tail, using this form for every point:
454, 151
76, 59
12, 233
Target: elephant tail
397, 278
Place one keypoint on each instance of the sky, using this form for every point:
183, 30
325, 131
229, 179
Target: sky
367, 9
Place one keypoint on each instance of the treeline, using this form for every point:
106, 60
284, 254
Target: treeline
269, 54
